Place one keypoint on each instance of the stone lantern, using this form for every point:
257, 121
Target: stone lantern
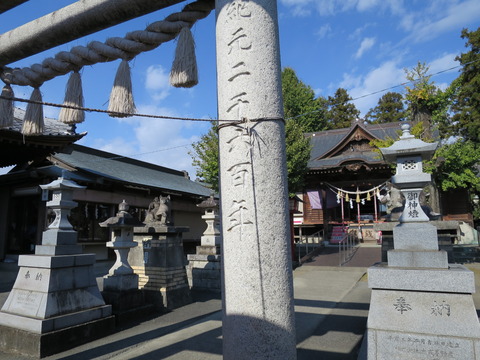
203, 269
421, 306
210, 240
60, 238
415, 240
121, 276
120, 286
55, 303
408, 154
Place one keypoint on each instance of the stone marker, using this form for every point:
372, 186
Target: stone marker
203, 269
258, 313
421, 307
55, 302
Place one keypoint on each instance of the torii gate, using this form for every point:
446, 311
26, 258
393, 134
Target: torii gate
258, 311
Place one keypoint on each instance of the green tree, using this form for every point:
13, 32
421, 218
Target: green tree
298, 153
466, 104
454, 166
422, 98
300, 104
390, 108
341, 111
205, 157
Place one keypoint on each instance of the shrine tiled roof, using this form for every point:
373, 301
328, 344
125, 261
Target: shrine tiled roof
100, 165
17, 148
324, 143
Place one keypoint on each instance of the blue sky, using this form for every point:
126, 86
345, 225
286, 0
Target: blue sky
360, 45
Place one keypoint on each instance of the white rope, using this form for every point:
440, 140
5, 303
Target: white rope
114, 48
336, 189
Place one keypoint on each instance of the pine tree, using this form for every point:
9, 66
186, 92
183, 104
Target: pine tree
300, 104
341, 111
466, 105
390, 108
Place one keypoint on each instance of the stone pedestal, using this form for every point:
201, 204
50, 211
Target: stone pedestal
420, 313
159, 262
55, 302
204, 272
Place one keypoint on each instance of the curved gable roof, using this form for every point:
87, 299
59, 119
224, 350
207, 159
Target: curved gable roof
328, 146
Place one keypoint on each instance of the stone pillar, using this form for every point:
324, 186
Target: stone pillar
258, 312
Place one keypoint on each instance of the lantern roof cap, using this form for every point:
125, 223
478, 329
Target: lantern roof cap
63, 182
408, 145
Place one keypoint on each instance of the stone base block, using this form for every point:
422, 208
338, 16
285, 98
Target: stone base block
42, 326
437, 259
36, 345
54, 250
177, 297
415, 236
120, 283
169, 298
421, 325
204, 272
456, 279
208, 250
128, 306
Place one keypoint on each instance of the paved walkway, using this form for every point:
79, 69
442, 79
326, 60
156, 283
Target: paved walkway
331, 309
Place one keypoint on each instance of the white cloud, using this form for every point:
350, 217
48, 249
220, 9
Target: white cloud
445, 62
385, 76
323, 7
165, 142
324, 31
333, 7
366, 45
157, 82
394, 6
436, 20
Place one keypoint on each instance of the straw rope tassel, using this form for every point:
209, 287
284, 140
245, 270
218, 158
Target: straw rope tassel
6, 107
184, 68
33, 121
73, 97
121, 97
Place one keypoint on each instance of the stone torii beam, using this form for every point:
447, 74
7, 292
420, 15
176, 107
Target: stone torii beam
72, 22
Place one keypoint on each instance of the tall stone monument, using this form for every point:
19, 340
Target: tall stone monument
55, 302
203, 269
421, 306
258, 312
